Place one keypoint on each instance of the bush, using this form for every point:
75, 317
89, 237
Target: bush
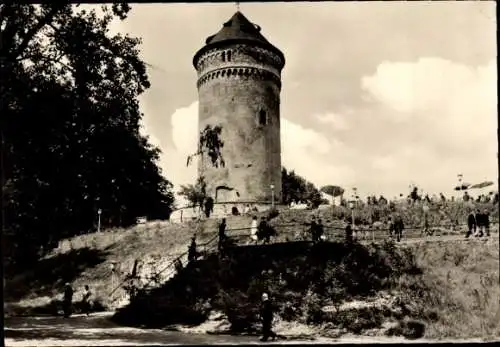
240, 312
312, 305
273, 213
410, 329
300, 279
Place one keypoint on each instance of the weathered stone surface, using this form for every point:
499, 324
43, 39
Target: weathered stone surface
239, 89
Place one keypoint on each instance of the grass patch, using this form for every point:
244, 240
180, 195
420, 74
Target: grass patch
48, 276
301, 278
434, 290
87, 259
459, 289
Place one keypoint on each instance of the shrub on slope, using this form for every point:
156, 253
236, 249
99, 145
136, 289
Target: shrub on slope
459, 290
301, 279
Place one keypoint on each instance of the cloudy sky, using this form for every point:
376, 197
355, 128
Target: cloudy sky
375, 95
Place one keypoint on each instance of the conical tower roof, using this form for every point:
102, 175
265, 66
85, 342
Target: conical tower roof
238, 29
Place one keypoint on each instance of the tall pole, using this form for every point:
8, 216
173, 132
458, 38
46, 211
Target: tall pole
113, 269
460, 177
99, 211
272, 196
354, 189
2, 173
333, 204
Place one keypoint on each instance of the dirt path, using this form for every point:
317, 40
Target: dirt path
97, 330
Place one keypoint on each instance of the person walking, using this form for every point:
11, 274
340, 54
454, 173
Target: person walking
390, 226
222, 236
486, 219
319, 230
479, 223
348, 232
208, 206
262, 230
178, 266
268, 231
398, 227
253, 229
426, 231
266, 314
68, 300
313, 227
471, 225
192, 253
87, 294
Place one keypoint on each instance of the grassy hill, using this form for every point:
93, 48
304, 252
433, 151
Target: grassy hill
433, 290
87, 259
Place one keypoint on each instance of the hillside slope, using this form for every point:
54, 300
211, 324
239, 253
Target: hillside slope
436, 290
88, 259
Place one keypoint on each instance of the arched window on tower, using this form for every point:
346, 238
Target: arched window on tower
229, 56
262, 118
223, 56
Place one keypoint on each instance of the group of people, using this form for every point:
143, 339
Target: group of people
484, 198
478, 223
396, 227
261, 231
317, 229
68, 300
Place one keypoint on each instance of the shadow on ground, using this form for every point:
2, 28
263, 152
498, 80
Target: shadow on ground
301, 277
91, 330
49, 275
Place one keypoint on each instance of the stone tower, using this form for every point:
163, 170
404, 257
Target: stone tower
239, 83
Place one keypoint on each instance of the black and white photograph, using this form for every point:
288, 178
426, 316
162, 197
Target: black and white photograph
249, 173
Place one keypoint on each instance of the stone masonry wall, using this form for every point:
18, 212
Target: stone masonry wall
242, 96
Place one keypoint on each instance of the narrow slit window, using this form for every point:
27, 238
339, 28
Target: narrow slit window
229, 56
262, 117
223, 56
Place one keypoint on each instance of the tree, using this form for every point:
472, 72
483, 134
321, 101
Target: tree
195, 194
210, 143
332, 190
296, 188
70, 126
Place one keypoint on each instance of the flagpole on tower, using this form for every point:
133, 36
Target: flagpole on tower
237, 6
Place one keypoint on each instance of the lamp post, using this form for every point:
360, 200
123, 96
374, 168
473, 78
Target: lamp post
272, 195
99, 211
460, 178
351, 206
425, 209
113, 271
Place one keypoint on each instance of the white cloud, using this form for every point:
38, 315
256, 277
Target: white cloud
426, 122
185, 128
303, 150
447, 115
456, 98
313, 155
334, 120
